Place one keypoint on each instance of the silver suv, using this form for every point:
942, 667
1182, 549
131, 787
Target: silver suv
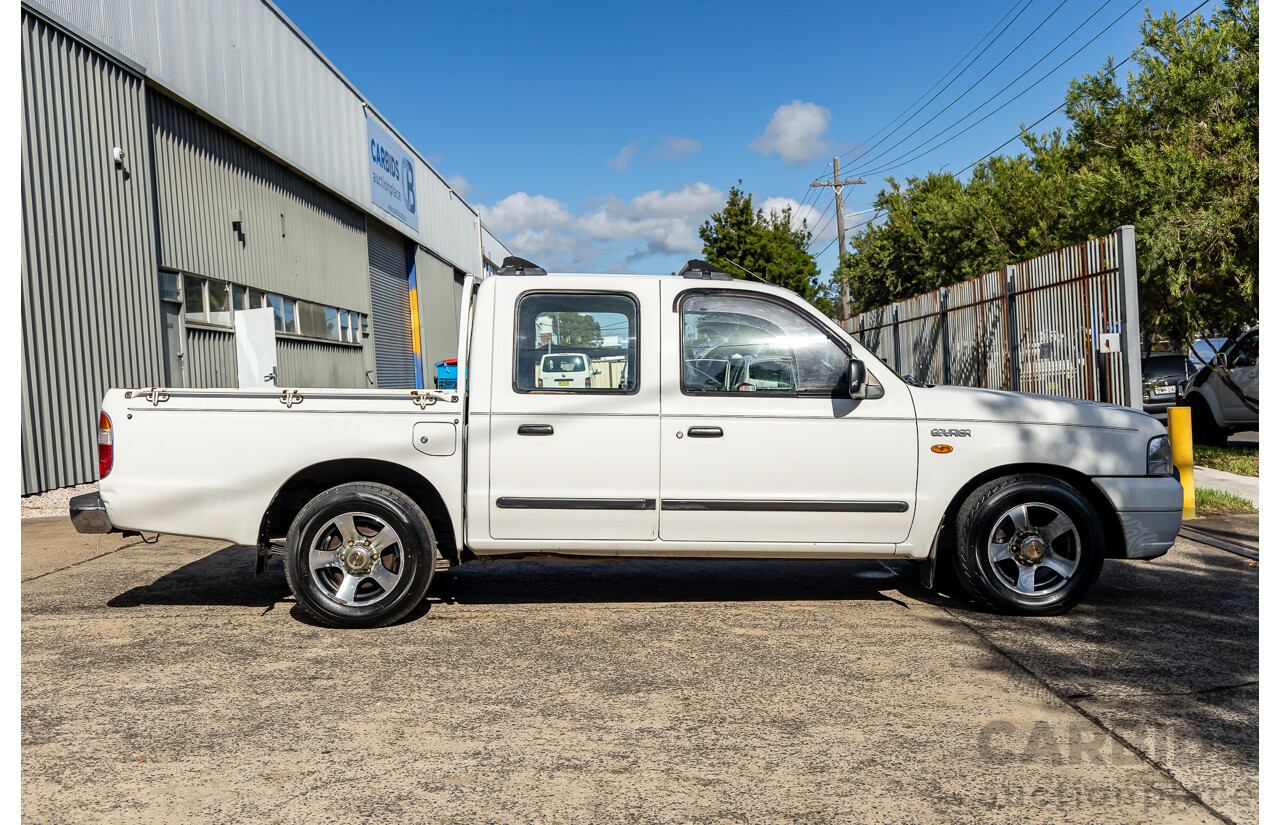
1218, 408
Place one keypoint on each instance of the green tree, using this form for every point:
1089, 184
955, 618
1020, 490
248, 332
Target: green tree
1173, 151
575, 329
740, 237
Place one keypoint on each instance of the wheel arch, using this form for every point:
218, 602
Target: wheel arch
1112, 531
309, 482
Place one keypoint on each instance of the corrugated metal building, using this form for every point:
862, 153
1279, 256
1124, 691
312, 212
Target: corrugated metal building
182, 159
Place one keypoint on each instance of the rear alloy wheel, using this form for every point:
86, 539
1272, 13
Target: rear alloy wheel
360, 555
1028, 544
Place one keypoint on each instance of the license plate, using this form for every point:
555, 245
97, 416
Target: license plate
564, 383
1163, 391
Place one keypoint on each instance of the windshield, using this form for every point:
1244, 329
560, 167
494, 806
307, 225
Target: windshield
563, 363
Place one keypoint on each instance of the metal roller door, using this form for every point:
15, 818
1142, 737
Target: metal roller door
392, 324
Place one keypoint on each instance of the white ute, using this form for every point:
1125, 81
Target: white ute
831, 456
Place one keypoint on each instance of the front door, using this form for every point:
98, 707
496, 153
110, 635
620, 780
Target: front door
760, 440
573, 442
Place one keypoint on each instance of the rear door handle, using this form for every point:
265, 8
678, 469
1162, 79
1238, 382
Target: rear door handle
535, 429
705, 432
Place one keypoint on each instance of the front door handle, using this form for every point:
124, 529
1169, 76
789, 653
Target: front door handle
705, 432
535, 429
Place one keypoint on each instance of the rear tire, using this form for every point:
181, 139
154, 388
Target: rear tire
1028, 544
360, 555
1204, 430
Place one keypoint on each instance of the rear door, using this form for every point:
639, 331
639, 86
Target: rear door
571, 462
780, 453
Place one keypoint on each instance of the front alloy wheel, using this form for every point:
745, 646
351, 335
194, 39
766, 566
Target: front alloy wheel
1028, 544
1034, 549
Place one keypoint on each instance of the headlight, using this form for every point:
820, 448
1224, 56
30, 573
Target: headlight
1160, 457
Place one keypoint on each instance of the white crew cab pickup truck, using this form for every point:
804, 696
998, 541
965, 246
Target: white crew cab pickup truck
826, 454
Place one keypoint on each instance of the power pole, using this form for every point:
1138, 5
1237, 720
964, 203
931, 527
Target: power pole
839, 185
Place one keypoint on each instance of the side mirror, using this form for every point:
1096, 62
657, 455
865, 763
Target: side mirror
857, 379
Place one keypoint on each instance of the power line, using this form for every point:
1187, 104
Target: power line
954, 79
855, 226
974, 85
939, 80
818, 232
1061, 105
891, 164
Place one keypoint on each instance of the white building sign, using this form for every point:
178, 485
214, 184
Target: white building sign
392, 174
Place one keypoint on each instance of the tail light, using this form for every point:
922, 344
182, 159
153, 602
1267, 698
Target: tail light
106, 451
588, 382
539, 382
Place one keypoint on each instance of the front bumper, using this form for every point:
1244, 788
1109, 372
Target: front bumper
1150, 511
89, 514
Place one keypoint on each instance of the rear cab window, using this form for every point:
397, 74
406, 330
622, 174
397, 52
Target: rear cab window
577, 342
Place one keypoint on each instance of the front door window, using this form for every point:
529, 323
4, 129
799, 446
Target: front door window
735, 343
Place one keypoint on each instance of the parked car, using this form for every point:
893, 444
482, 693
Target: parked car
1162, 374
1217, 410
565, 369
362, 492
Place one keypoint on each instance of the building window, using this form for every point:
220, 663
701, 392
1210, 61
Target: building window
209, 301
193, 298
170, 286
219, 303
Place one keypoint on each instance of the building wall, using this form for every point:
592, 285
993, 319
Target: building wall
439, 301
90, 312
211, 358
315, 364
295, 239
222, 109
245, 65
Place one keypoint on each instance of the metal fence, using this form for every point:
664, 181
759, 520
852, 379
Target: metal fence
1063, 324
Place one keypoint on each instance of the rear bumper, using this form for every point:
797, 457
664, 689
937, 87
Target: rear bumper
89, 514
1150, 511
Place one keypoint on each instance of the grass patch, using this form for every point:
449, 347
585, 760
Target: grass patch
1240, 460
1214, 503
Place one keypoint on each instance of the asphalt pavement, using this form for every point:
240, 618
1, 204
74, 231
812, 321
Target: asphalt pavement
163, 683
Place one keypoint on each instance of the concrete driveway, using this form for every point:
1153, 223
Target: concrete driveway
162, 683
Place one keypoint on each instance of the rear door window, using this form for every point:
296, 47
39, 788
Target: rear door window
578, 342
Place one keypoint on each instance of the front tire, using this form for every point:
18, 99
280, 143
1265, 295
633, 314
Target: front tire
360, 555
1028, 544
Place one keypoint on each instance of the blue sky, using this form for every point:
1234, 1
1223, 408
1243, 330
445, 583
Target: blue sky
597, 137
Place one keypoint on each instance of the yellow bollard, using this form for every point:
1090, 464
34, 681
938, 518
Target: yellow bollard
1180, 441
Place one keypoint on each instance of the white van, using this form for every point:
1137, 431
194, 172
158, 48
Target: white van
565, 369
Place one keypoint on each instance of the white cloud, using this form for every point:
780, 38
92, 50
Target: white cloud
521, 211
795, 133
462, 186
676, 148
801, 215
607, 234
623, 160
